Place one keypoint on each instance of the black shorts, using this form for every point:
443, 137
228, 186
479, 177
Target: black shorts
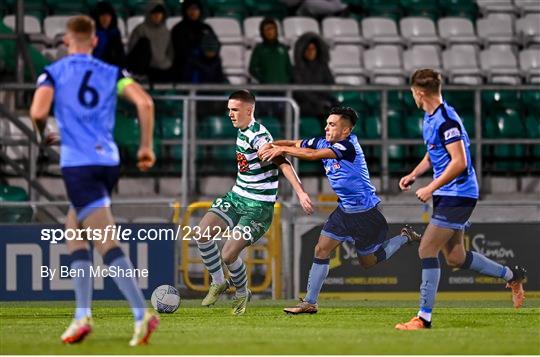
90, 187
452, 212
366, 230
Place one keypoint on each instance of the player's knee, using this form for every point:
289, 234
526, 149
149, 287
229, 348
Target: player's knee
321, 252
455, 261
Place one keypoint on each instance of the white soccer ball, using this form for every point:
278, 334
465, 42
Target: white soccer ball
165, 298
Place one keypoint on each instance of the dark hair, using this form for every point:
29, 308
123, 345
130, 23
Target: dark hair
428, 80
243, 95
267, 21
347, 113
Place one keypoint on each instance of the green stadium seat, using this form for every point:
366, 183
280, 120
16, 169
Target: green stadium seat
222, 159
489, 128
137, 7
509, 125
425, 8
270, 8
310, 167
372, 127
383, 8
227, 8
395, 100
509, 157
274, 127
63, 7
536, 157
461, 8
126, 135
531, 101
495, 102
532, 126
372, 100
468, 122
418, 153
413, 126
170, 127
461, 101
310, 127
396, 157
14, 214
218, 127
395, 124
351, 99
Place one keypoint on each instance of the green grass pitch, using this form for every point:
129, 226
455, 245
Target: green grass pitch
340, 327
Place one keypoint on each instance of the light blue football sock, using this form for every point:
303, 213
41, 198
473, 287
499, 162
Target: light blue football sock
389, 247
128, 286
82, 282
317, 274
431, 273
483, 265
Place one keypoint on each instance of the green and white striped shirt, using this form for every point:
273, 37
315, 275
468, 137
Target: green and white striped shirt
256, 180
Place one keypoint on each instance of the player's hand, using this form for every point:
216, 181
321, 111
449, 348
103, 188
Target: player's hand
263, 149
146, 159
271, 153
52, 139
305, 202
424, 193
406, 182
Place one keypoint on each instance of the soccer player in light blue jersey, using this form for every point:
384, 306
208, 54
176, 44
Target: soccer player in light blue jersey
357, 219
454, 190
84, 90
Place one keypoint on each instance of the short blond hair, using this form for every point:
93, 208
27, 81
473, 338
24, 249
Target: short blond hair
429, 80
81, 27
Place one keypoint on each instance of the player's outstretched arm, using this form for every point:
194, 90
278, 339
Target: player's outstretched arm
39, 110
407, 181
291, 176
458, 163
301, 153
145, 112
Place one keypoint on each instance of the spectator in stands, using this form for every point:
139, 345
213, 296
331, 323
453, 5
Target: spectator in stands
150, 49
208, 68
311, 58
270, 62
109, 47
187, 38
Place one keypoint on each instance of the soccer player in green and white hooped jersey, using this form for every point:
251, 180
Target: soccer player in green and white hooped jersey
245, 213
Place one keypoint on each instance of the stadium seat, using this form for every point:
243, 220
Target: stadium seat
227, 30
32, 27
461, 65
233, 57
489, 6
269, 8
532, 126
500, 66
338, 30
252, 34
221, 160
413, 126
218, 127
509, 157
528, 28
372, 127
489, 128
457, 30
372, 101
496, 29
310, 127
54, 28
418, 57
351, 99
395, 124
382, 8
384, 65
171, 127
62, 7
509, 125
529, 61
426, 8
133, 22
531, 101
460, 8
345, 60
173, 20
274, 126
14, 214
418, 30
296, 26
498, 102
527, 6
381, 30
36, 8
468, 123
126, 135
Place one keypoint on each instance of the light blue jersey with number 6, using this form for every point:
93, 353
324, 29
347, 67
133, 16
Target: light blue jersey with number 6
85, 93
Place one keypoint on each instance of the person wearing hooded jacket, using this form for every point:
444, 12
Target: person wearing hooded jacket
311, 57
187, 37
149, 46
270, 62
109, 47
